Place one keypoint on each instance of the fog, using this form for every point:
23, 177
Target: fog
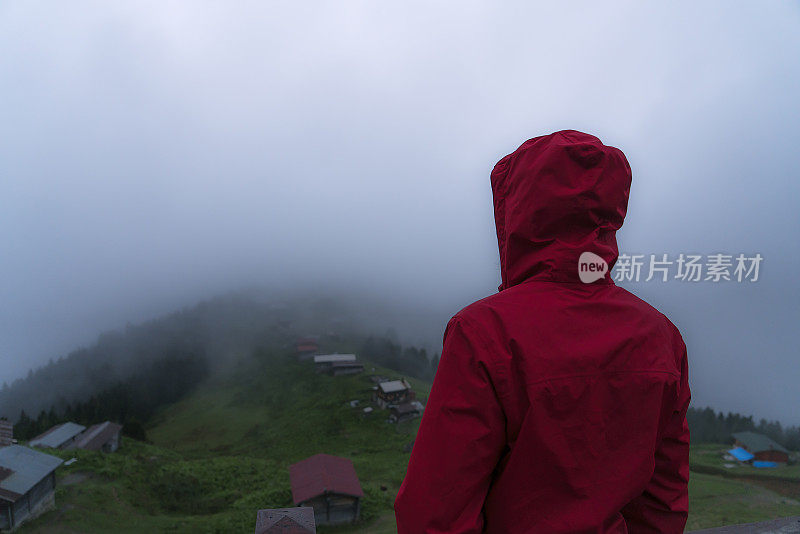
156, 154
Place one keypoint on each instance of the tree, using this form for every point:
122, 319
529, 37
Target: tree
134, 430
434, 364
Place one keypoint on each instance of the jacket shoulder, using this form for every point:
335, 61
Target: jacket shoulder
669, 326
482, 321
479, 313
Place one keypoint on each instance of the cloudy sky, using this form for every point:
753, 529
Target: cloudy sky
154, 154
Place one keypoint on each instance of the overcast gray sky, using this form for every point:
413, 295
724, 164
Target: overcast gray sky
156, 153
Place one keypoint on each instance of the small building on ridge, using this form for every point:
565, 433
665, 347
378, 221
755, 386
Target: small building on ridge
58, 437
305, 348
393, 392
104, 437
337, 364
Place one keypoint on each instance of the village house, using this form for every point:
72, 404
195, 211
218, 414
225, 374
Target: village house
405, 411
738, 453
27, 484
6, 432
58, 437
393, 392
298, 520
306, 348
330, 486
345, 368
104, 437
337, 364
762, 447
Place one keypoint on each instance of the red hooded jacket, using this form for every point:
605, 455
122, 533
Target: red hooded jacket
558, 406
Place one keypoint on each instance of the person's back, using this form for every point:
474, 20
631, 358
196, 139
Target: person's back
558, 405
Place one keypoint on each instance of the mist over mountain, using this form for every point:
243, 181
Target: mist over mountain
222, 330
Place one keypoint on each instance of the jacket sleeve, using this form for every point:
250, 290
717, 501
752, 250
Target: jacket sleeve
458, 445
663, 506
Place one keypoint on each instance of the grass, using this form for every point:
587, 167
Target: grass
717, 501
145, 488
223, 452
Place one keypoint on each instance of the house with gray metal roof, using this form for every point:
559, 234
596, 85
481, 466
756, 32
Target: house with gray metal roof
27, 484
331, 358
393, 392
337, 364
103, 437
298, 520
762, 447
59, 437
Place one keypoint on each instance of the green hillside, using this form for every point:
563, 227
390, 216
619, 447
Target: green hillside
222, 453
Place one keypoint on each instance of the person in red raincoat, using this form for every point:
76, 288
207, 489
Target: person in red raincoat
559, 406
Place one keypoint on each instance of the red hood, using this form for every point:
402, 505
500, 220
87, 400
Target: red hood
555, 197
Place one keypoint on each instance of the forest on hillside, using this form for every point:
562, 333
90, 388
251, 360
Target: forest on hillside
222, 330
130, 402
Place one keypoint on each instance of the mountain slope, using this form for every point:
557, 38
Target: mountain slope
223, 452
274, 407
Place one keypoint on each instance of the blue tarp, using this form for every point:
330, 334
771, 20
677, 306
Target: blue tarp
759, 463
741, 454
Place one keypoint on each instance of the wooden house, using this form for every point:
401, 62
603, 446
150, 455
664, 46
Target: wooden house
330, 486
58, 437
337, 364
393, 392
763, 448
306, 348
27, 484
6, 432
405, 411
104, 437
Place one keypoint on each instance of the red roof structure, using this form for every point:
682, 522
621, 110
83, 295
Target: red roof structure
321, 474
306, 344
